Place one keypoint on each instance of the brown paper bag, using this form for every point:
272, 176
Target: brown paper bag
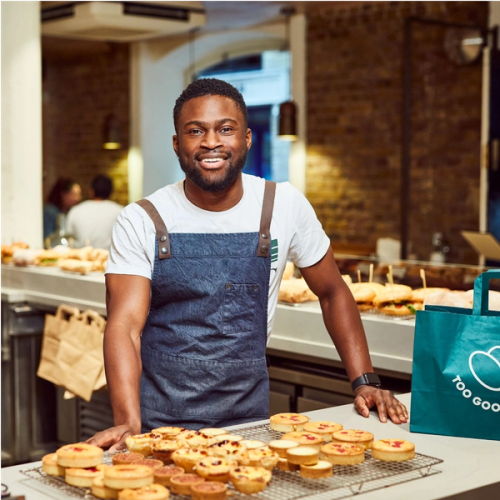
80, 354
55, 326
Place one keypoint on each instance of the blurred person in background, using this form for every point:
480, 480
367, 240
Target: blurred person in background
91, 222
65, 193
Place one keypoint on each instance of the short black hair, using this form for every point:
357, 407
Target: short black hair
102, 186
209, 86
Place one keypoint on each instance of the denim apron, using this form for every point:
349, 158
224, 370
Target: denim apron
203, 347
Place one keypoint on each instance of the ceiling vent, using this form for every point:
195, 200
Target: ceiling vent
121, 21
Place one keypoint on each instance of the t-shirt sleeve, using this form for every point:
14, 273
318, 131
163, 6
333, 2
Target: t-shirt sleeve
132, 243
309, 242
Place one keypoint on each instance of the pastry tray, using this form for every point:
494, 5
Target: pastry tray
346, 481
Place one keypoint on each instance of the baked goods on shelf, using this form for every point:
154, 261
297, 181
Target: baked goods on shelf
141, 443
209, 490
393, 450
253, 444
126, 458
318, 471
281, 445
79, 455
151, 492
323, 428
364, 298
227, 449
100, 491
396, 302
188, 457
288, 422
195, 439
249, 480
83, 478
353, 436
212, 431
119, 477
305, 439
50, 466
261, 457
302, 455
181, 484
168, 432
295, 291
215, 468
162, 449
343, 453
163, 474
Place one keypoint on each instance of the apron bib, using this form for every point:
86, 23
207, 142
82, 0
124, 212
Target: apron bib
203, 347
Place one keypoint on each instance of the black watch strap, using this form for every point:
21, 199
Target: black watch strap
366, 379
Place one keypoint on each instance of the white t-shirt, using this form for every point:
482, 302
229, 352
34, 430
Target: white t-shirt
295, 229
93, 220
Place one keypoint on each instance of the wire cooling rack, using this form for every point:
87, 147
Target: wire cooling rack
346, 481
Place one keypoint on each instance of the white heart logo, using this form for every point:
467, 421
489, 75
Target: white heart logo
493, 359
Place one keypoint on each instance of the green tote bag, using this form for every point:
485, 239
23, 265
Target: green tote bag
456, 368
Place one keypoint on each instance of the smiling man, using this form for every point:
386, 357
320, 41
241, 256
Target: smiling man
193, 279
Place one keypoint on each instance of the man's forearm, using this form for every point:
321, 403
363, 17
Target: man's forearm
123, 372
344, 325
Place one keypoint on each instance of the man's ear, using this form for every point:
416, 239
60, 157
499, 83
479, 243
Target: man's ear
175, 140
248, 138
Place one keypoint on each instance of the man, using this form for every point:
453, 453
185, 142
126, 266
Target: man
192, 291
91, 222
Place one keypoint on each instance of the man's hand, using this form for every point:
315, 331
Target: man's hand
368, 397
113, 438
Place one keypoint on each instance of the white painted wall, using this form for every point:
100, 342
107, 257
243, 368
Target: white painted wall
163, 70
21, 123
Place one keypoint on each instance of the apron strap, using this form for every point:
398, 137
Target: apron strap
160, 228
265, 220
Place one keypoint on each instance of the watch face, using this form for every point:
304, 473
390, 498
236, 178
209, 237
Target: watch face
372, 379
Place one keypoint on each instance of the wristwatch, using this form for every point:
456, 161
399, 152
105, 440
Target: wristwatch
366, 379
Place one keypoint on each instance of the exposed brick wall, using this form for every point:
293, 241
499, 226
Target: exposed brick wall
80, 90
354, 83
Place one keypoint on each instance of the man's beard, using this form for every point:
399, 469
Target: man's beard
220, 183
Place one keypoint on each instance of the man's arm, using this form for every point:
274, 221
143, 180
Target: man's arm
344, 325
127, 301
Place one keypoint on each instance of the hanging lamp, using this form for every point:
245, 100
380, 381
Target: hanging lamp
111, 133
287, 129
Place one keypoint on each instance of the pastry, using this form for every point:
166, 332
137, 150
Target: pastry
353, 436
151, 492
305, 439
168, 432
261, 457
227, 437
288, 422
393, 450
141, 443
253, 444
209, 490
182, 483
215, 468
295, 291
163, 474
227, 449
302, 455
249, 480
212, 432
79, 455
100, 491
83, 478
195, 439
281, 445
323, 429
163, 449
50, 466
284, 464
149, 462
343, 453
119, 477
188, 457
126, 458
320, 470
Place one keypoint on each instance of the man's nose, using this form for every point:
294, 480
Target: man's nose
211, 140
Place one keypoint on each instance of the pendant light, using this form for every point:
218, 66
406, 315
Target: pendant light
287, 129
111, 133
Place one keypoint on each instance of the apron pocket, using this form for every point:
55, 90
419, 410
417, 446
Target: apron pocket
239, 307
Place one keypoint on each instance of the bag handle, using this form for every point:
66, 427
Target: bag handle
481, 291
66, 312
90, 317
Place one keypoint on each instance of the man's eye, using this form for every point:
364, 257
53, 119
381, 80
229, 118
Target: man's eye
194, 131
226, 130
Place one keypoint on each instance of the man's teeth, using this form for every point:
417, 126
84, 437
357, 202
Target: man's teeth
212, 160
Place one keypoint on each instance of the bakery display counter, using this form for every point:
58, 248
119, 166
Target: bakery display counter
445, 467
